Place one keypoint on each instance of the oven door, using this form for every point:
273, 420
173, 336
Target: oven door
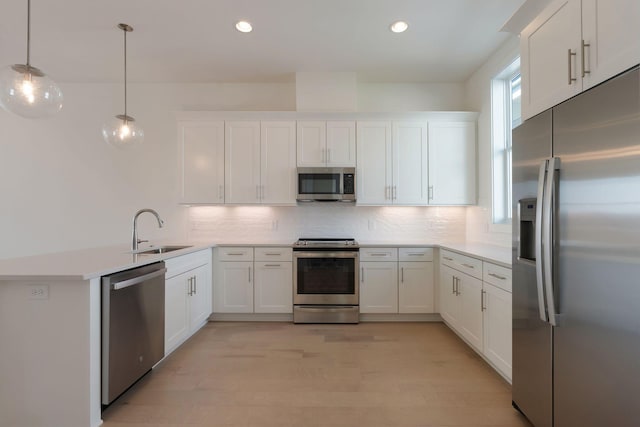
326, 278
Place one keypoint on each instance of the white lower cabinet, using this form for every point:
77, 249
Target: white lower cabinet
248, 283
378, 287
475, 301
187, 296
497, 327
273, 289
402, 283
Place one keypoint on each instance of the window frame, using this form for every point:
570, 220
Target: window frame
501, 146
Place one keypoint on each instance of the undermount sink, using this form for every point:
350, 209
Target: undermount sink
162, 249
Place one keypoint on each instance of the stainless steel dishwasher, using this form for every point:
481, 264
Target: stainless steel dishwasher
132, 327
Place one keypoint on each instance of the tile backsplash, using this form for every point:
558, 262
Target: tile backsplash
257, 224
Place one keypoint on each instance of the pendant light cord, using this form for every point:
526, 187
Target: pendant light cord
125, 72
28, 33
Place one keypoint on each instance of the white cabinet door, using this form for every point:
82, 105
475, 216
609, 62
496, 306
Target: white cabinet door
242, 160
551, 56
200, 296
278, 163
452, 163
341, 144
470, 297
176, 304
233, 288
497, 328
379, 287
312, 143
201, 145
409, 163
415, 287
273, 287
374, 172
449, 303
611, 28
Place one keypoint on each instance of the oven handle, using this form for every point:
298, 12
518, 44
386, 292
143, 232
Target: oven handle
326, 254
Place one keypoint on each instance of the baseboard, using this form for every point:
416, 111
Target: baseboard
375, 317
288, 317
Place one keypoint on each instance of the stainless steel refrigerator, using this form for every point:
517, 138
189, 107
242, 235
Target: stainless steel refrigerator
576, 260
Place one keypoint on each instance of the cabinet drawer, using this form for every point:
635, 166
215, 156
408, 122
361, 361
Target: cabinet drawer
233, 253
378, 254
415, 254
463, 263
273, 254
497, 275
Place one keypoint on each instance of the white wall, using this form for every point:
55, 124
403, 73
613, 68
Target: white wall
63, 188
478, 98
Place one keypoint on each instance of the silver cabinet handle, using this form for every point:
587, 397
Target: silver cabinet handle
195, 285
378, 254
430, 192
497, 276
468, 265
569, 55
447, 258
416, 254
273, 253
361, 274
482, 307
249, 274
394, 194
584, 70
190, 291
402, 275
235, 253
453, 285
273, 265
457, 286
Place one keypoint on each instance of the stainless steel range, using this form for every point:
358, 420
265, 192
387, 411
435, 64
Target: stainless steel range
325, 281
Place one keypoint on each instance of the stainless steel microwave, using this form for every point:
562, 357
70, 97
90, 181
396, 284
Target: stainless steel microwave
326, 184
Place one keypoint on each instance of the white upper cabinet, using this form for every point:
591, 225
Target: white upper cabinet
201, 146
611, 28
392, 163
374, 176
278, 162
452, 163
573, 45
409, 163
260, 162
326, 143
242, 153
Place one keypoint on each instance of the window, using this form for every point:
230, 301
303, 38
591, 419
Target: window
505, 115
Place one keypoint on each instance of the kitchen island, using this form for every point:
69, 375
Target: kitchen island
50, 329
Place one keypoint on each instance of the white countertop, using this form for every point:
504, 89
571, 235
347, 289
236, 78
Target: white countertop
86, 264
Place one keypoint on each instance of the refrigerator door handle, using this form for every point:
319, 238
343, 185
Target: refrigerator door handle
547, 235
538, 240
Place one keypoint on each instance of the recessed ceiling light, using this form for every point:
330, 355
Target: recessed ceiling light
399, 27
244, 27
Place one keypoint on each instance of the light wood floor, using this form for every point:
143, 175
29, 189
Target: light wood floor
280, 374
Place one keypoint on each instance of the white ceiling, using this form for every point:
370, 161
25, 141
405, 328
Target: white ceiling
195, 40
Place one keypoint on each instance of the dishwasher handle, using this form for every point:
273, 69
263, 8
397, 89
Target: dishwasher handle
136, 280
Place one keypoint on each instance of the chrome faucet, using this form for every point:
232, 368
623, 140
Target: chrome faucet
134, 238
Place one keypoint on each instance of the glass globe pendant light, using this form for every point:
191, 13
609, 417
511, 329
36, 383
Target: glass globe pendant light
123, 131
25, 90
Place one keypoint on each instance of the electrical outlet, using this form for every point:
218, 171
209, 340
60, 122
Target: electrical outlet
38, 291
